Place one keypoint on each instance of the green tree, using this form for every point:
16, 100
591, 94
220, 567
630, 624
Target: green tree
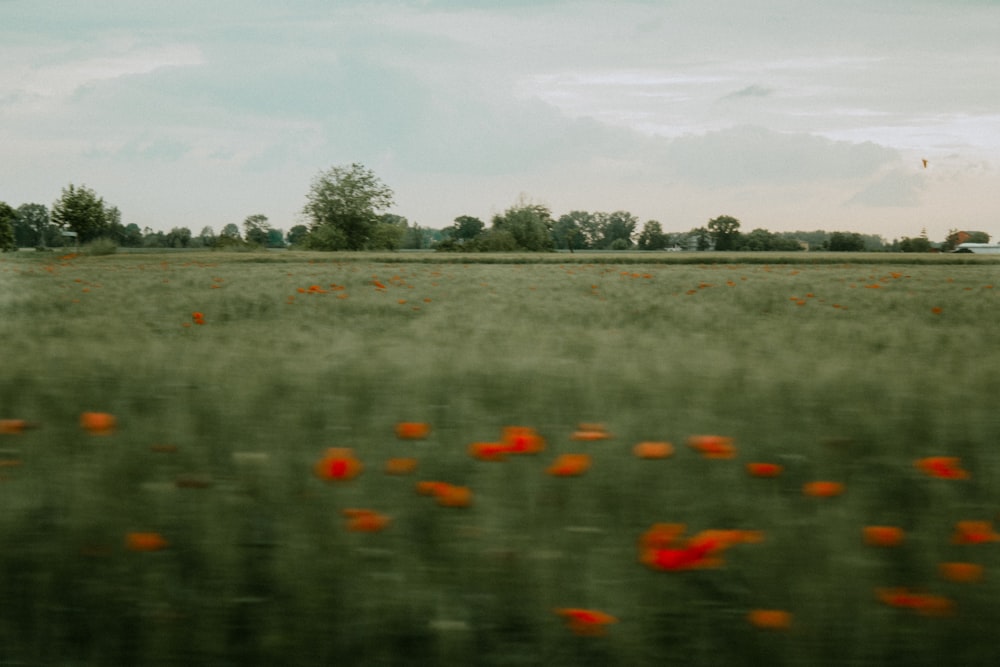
343, 205
131, 236
530, 226
652, 237
256, 228
617, 229
80, 210
7, 218
702, 238
275, 238
32, 225
178, 237
388, 233
845, 242
567, 232
919, 244
466, 228
297, 235
725, 232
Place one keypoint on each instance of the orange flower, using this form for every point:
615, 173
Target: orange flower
961, 573
937, 310
659, 548
661, 536
653, 450
412, 430
489, 451
922, 603
365, 521
569, 465
590, 431
14, 426
400, 466
770, 619
522, 440
451, 495
943, 467
198, 318
764, 469
587, 622
883, 536
145, 542
447, 495
974, 532
713, 446
98, 423
822, 489
338, 465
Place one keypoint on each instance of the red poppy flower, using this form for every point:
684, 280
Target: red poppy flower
522, 440
943, 467
337, 465
587, 622
412, 430
974, 532
569, 465
713, 446
365, 520
145, 542
770, 619
764, 469
98, 423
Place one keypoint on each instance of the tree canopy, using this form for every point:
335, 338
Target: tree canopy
80, 210
343, 207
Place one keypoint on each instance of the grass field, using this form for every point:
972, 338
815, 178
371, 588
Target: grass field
209, 527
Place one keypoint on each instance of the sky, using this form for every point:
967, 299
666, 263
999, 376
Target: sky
786, 114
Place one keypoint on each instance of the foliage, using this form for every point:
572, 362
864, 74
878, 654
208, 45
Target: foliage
529, 225
845, 242
297, 235
31, 225
7, 218
80, 210
388, 233
918, 244
617, 229
725, 232
652, 237
100, 246
343, 206
256, 229
466, 228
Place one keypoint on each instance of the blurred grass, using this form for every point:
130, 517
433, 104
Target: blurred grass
852, 386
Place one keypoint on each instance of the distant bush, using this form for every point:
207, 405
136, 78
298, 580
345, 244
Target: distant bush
100, 246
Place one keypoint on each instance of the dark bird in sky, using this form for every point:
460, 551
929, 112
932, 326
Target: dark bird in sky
925, 163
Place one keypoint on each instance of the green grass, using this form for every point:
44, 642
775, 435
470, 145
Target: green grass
260, 568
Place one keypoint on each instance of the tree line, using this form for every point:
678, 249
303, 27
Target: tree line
347, 209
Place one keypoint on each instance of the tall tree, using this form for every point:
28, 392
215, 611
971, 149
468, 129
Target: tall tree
530, 225
725, 232
652, 237
80, 210
256, 228
343, 205
7, 218
617, 229
31, 225
466, 228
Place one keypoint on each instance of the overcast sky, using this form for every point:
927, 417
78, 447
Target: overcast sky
797, 114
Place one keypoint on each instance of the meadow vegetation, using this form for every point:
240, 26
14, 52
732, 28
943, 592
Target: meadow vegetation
207, 524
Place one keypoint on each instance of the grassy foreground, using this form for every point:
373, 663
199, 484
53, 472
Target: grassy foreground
202, 531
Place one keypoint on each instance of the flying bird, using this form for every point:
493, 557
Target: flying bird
925, 163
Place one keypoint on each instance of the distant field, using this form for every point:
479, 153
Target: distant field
846, 369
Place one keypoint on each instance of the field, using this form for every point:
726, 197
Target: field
212, 524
